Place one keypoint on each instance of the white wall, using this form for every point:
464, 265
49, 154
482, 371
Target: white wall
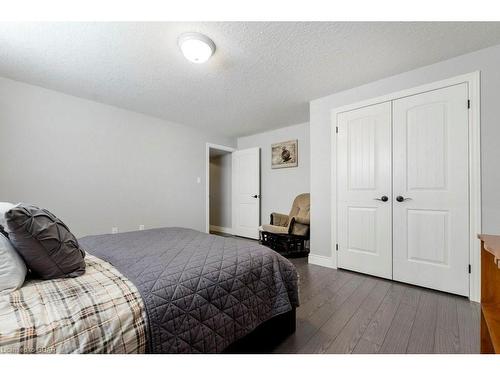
97, 166
280, 186
220, 191
487, 61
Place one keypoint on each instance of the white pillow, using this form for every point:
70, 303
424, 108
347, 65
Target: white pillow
4, 207
12, 267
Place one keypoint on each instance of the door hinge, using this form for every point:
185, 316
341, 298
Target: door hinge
337, 247
336, 129
468, 103
470, 268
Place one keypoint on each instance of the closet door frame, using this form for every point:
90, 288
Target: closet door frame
473, 84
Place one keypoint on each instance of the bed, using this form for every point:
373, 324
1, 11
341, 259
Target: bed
167, 290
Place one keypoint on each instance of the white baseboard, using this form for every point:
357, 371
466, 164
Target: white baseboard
216, 228
321, 260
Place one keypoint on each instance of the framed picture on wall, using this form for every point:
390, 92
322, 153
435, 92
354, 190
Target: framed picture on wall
284, 154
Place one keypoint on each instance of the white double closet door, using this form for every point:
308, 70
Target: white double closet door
403, 191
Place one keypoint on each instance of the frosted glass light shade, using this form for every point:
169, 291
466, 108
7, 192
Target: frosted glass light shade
196, 47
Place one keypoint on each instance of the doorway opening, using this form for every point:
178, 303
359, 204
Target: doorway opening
219, 189
232, 191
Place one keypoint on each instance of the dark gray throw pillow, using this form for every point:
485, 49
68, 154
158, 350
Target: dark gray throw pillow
3, 231
46, 244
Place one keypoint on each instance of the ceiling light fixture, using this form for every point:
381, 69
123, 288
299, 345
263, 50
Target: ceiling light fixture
196, 47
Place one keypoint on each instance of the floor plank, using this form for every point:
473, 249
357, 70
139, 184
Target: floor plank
308, 326
320, 289
423, 332
366, 347
411, 295
320, 342
384, 316
398, 335
348, 338
447, 335
468, 323
323, 296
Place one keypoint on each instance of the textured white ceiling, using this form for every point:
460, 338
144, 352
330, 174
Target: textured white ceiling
262, 75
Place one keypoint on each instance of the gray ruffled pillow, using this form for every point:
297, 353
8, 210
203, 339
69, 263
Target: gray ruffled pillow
46, 244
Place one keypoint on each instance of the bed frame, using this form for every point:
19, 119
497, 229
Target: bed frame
266, 336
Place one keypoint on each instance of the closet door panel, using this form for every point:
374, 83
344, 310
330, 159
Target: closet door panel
430, 174
364, 177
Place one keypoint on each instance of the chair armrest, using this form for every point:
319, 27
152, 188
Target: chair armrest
280, 220
299, 226
303, 220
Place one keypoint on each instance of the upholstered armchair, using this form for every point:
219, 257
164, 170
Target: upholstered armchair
288, 233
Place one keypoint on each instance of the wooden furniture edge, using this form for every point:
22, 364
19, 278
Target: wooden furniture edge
492, 245
491, 317
490, 294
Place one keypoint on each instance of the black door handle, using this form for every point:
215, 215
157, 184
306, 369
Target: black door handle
384, 198
400, 198
255, 196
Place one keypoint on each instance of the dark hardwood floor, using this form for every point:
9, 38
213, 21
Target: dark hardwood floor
347, 312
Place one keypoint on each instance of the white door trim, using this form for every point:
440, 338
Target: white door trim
473, 81
207, 179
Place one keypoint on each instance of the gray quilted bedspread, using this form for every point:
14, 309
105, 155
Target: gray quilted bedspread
202, 292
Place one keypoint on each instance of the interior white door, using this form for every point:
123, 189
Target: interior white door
246, 192
431, 202
364, 190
